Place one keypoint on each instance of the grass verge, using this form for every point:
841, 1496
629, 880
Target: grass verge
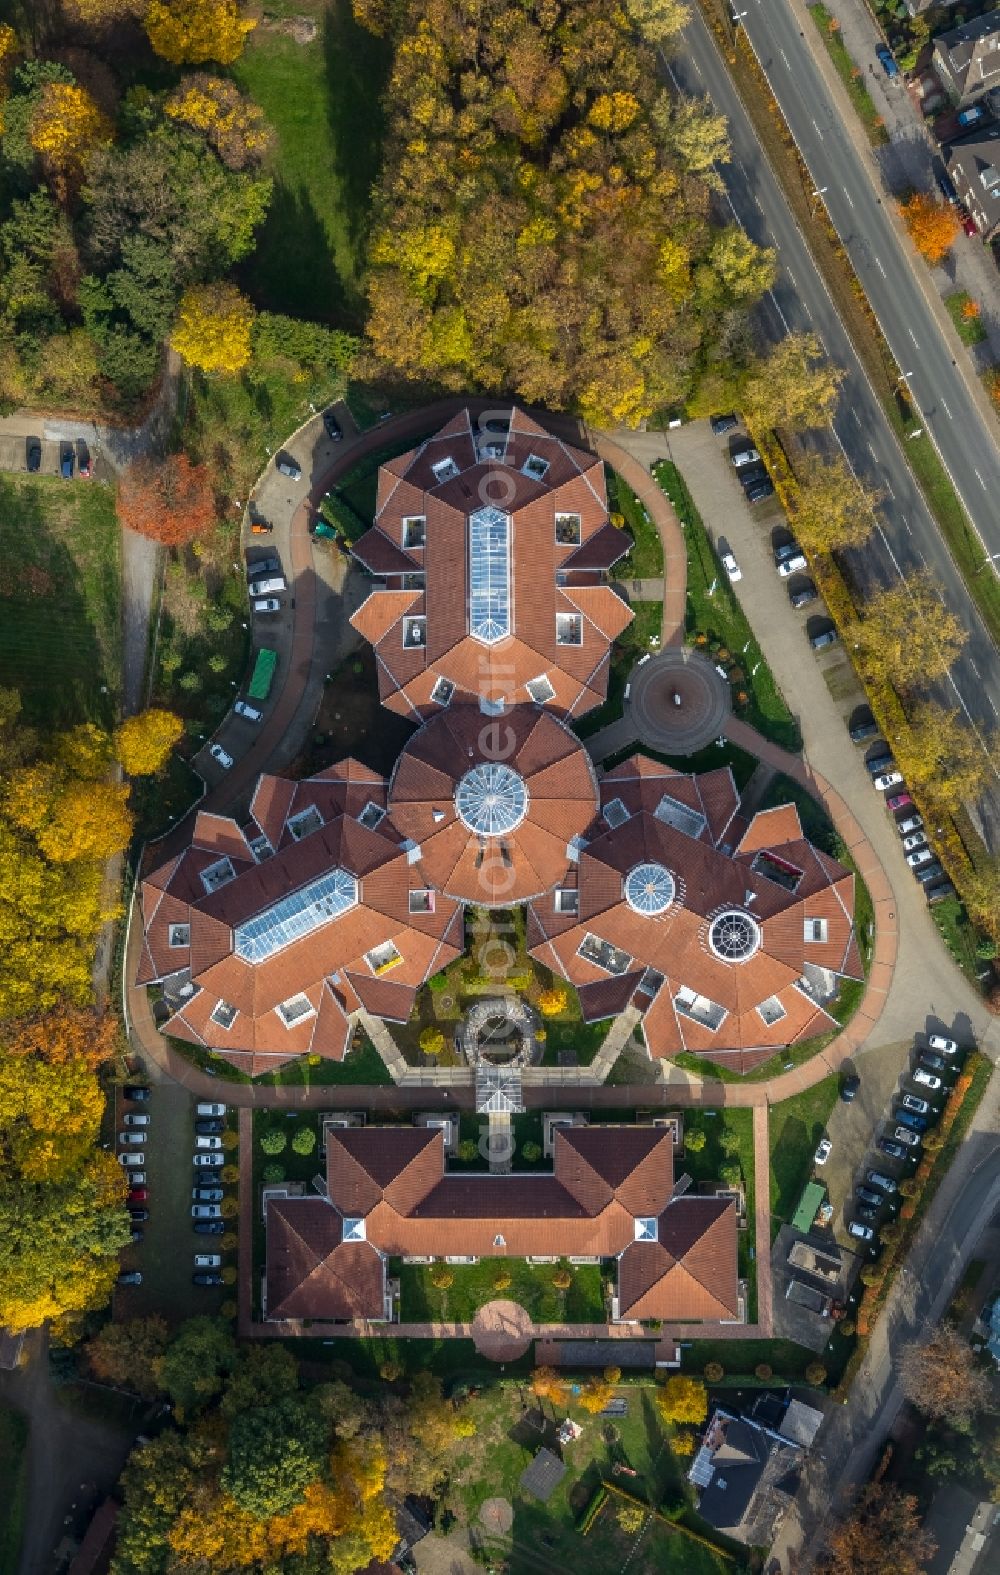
850, 75
14, 1476
645, 560
968, 323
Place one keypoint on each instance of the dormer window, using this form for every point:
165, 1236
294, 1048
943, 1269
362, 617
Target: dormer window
569, 628
422, 900
646, 1229
569, 530
414, 632
382, 958
612, 959
218, 874
224, 1014
566, 900
304, 823
354, 1229
372, 815
615, 813
442, 692
535, 468
414, 530
771, 1010
814, 930
295, 1010
540, 689
179, 935
445, 470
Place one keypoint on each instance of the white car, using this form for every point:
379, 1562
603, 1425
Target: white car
792, 565
926, 1079
249, 711
267, 604
823, 1152
208, 1142
208, 1260
206, 1211
208, 1107
731, 567
942, 1045
218, 753
210, 1160
133, 1138
887, 780
911, 823
905, 1135
916, 839
130, 1119
920, 1107
919, 856
131, 1161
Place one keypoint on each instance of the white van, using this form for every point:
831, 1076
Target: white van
269, 587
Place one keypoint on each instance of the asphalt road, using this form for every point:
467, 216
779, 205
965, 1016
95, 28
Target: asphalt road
907, 538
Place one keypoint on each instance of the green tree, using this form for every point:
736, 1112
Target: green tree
263, 1375
275, 1452
127, 1354
274, 1140
304, 1140
698, 135
194, 1367
695, 1140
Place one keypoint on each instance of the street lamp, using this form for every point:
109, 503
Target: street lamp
991, 557
818, 191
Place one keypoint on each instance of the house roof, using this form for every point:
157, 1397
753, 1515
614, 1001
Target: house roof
721, 928
973, 162
540, 571
743, 1471
493, 805
972, 53
392, 1183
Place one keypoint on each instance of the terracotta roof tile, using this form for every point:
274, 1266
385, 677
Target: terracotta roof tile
379, 614
381, 555
311, 1271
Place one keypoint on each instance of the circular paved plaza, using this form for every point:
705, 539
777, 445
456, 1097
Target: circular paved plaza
678, 701
502, 1331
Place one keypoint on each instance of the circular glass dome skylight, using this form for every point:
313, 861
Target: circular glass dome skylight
649, 888
734, 935
491, 799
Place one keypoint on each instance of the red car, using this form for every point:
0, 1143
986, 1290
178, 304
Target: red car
969, 225
138, 1195
899, 801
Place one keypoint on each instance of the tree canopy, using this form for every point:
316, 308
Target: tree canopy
795, 385
169, 500
881, 1535
908, 637
832, 509
940, 1377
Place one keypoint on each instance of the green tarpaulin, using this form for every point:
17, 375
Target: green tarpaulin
263, 675
809, 1202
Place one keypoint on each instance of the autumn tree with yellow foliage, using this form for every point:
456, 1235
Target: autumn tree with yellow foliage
832, 509
145, 742
190, 32
941, 756
213, 329
66, 128
908, 637
796, 385
230, 121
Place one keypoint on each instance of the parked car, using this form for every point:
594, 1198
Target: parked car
267, 604
83, 459
208, 1142
883, 1182
206, 1279
884, 57
749, 475
803, 596
208, 1260
746, 455
259, 527
206, 1211
130, 1277
137, 1177
864, 729
793, 564
132, 1118
894, 1150
911, 823
969, 224
222, 756
731, 567
919, 855
849, 1087
138, 1195
823, 1151
870, 1196
288, 466
933, 1062
262, 567
926, 1079
33, 455
940, 893
759, 491
906, 1118
946, 187
209, 1107
882, 760
138, 1235
209, 1227
125, 1138
332, 425
887, 780
211, 1127
67, 460
904, 1134
207, 1194
942, 1045
898, 801
131, 1161
913, 1102
971, 116
819, 642
916, 839
862, 1232
929, 873
722, 424
244, 708
864, 1211
139, 1215
136, 1091
211, 1160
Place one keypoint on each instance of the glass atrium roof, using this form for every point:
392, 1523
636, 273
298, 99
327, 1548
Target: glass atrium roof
649, 888
296, 915
734, 936
489, 575
491, 799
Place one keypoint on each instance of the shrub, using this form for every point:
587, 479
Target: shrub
908, 1188
230, 1208
229, 1275
847, 1327
304, 1140
714, 1372
468, 1150
431, 1041
438, 984
502, 1280
552, 1001
228, 1241
562, 1279
441, 1277
230, 1140
816, 1374
695, 1141
631, 1518
763, 1371
229, 1173
682, 1443
532, 1152
390, 1368
273, 1173
228, 1309
273, 1141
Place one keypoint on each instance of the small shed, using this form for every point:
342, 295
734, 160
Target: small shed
808, 1206
543, 1475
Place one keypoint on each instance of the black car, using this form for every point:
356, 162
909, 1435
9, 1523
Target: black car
941, 893
207, 1194
130, 1277
890, 1146
803, 595
757, 493
138, 1234
826, 637
934, 1063
722, 424
865, 728
332, 425
138, 1216
67, 459
849, 1087
865, 1212
751, 474
209, 1227
33, 454
207, 1279
929, 873
135, 1091
946, 187
870, 1196
210, 1128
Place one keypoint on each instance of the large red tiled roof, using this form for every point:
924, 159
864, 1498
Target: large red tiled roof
785, 887
388, 1189
554, 771
491, 473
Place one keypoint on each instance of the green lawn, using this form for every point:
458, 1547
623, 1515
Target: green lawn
970, 329
716, 621
796, 1126
645, 560
728, 1138
851, 76
958, 935
60, 599
740, 1357
474, 1285
324, 101
363, 1065
632, 643
13, 1475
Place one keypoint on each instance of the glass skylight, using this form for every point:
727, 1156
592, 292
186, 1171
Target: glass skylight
296, 915
489, 575
649, 889
491, 799
734, 936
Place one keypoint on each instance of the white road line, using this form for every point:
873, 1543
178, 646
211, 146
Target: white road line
791, 277
818, 132
872, 453
993, 704
880, 268
889, 492
944, 407
909, 528
788, 67
774, 302
913, 337
979, 478
975, 669
848, 196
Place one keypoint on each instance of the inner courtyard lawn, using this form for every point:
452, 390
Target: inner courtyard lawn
60, 599
475, 1284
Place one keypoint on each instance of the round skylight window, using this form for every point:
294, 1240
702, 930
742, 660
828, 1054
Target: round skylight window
649, 888
734, 935
491, 799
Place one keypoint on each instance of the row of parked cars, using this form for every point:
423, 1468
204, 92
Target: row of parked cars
207, 1192
917, 851
73, 457
132, 1158
916, 1109
750, 468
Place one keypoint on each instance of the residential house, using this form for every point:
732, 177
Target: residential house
745, 1475
967, 59
973, 162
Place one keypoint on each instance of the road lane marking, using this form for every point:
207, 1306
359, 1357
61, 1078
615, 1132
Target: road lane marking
979, 478
872, 453
774, 302
880, 268
993, 704
975, 669
909, 527
944, 407
818, 132
788, 67
848, 196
